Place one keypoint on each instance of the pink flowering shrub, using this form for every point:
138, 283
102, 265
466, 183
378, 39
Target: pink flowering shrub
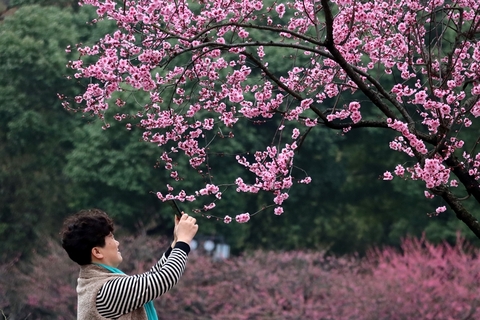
423, 281
426, 282
40, 289
3, 289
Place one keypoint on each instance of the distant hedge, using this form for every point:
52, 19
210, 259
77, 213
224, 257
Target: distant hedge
424, 281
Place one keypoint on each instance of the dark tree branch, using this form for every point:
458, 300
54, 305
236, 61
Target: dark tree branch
330, 45
461, 212
459, 169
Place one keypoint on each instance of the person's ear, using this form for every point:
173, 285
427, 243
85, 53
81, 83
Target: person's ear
96, 253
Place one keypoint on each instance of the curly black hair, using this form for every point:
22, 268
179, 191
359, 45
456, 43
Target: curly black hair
83, 231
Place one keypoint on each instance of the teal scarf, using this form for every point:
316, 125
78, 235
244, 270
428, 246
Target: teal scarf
149, 308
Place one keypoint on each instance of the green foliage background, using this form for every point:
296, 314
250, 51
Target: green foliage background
54, 163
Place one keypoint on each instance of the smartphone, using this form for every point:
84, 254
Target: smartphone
175, 208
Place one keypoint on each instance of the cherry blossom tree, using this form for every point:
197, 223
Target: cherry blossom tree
405, 66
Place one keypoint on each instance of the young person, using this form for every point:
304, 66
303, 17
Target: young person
105, 292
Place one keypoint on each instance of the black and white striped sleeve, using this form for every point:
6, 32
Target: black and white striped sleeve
164, 257
125, 294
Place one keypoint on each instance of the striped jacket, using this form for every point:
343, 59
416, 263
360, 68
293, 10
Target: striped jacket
105, 295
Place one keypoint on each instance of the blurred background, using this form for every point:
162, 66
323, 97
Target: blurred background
55, 162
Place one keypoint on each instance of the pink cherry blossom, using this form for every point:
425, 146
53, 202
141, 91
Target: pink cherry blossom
280, 10
278, 211
201, 71
399, 170
387, 175
295, 133
242, 218
441, 209
428, 195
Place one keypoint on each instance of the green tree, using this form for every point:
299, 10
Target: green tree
35, 129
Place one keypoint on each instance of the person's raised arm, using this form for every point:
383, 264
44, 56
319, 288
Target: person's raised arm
125, 294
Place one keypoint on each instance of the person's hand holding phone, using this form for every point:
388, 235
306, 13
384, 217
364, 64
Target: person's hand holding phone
186, 228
